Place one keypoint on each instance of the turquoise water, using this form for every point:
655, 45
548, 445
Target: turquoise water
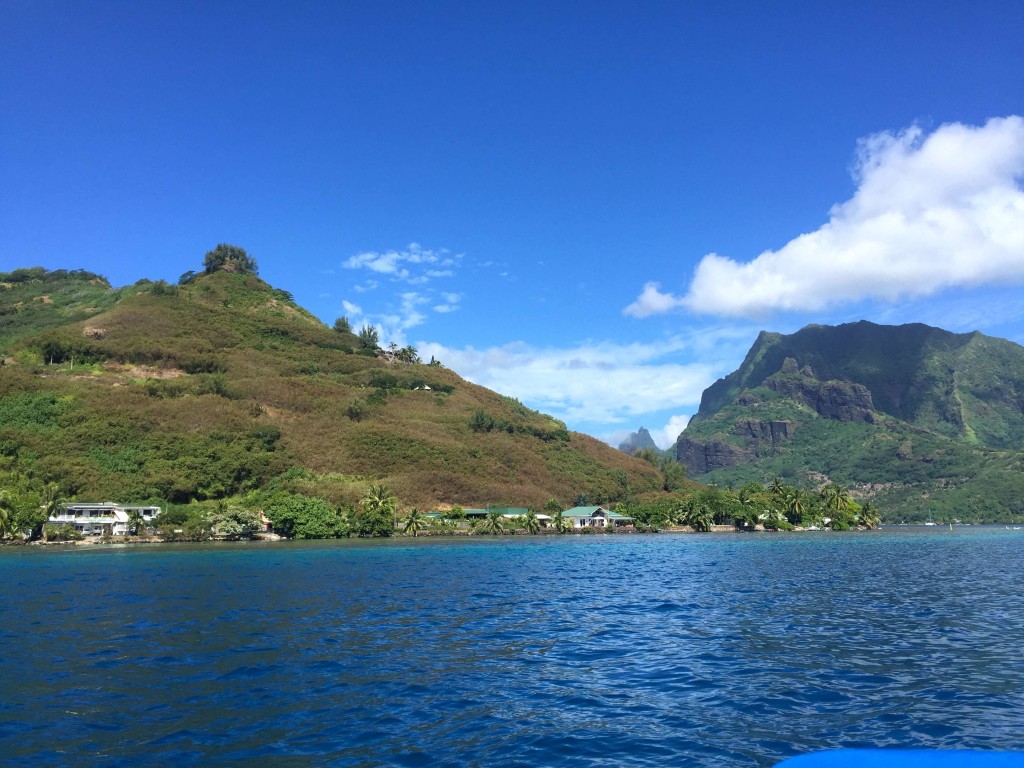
726, 650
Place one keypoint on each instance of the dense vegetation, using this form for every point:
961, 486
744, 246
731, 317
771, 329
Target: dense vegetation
924, 422
221, 386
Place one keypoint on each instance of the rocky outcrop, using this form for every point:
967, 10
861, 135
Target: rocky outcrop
836, 400
700, 458
757, 433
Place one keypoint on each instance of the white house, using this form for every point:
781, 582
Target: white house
595, 517
102, 517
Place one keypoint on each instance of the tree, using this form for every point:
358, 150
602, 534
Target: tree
230, 258
493, 524
305, 517
376, 516
409, 355
413, 522
8, 509
869, 517
51, 501
368, 337
794, 505
342, 325
531, 522
135, 522
697, 517
237, 522
560, 523
647, 454
673, 473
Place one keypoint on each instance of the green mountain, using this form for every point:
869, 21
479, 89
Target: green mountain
223, 384
917, 418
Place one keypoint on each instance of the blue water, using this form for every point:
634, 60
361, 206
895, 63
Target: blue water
724, 650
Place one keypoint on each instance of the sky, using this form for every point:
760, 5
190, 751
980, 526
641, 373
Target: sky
593, 207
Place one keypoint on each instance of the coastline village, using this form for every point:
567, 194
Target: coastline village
111, 520
377, 516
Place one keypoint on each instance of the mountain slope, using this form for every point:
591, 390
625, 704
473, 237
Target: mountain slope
224, 384
918, 416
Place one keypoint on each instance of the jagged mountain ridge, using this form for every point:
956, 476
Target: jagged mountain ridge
897, 410
639, 440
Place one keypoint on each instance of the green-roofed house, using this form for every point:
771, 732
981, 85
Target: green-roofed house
595, 517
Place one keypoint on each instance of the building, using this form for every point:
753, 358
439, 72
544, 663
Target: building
595, 517
100, 518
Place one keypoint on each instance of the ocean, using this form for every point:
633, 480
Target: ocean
626, 650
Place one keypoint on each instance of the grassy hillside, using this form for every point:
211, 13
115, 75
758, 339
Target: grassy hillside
918, 419
224, 384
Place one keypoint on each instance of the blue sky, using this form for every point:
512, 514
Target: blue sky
593, 207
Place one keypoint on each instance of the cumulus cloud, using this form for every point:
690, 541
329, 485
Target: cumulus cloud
667, 435
652, 302
594, 383
352, 309
931, 212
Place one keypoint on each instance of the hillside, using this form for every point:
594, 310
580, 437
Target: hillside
224, 384
918, 418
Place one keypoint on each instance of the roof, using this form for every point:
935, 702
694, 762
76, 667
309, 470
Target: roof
591, 511
583, 511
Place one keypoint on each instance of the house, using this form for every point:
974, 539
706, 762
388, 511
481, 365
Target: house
595, 517
506, 512
103, 517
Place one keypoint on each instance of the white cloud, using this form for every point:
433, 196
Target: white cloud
667, 435
415, 265
931, 212
392, 325
352, 309
652, 302
595, 383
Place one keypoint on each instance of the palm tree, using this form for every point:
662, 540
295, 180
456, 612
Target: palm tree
51, 500
776, 488
795, 506
836, 499
493, 524
698, 517
560, 523
869, 517
377, 511
135, 522
413, 523
8, 508
531, 522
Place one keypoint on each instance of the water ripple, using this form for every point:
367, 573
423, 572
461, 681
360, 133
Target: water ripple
683, 650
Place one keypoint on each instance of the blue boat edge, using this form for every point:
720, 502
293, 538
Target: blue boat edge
905, 758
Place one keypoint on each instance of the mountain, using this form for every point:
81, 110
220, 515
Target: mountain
223, 384
637, 441
917, 417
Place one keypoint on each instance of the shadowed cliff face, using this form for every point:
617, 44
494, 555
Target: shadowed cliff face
836, 400
966, 386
